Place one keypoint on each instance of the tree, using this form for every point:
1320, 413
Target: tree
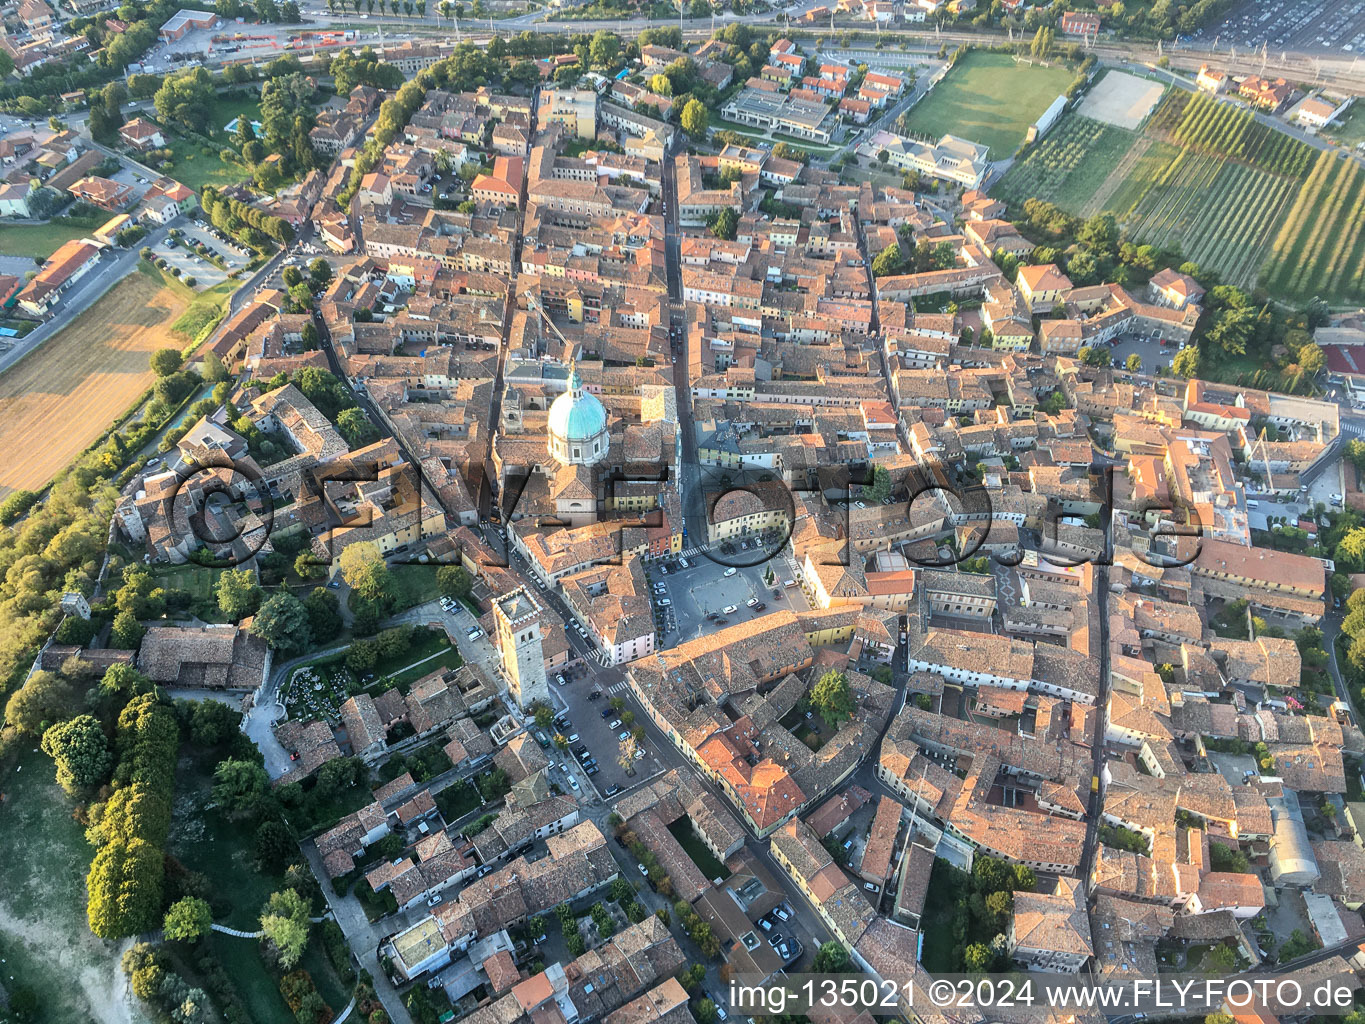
165, 361
544, 716
123, 680
1231, 329
211, 722
80, 752
626, 758
324, 615
603, 49
320, 272
356, 427
691, 978
705, 1011
696, 119
186, 98
284, 922
1133, 363
364, 570
887, 262
725, 224
831, 958
126, 632
239, 786
1001, 904
274, 846
188, 920
832, 698
454, 581
239, 595
880, 488
282, 622
213, 369
1186, 362
977, 956
45, 698
124, 886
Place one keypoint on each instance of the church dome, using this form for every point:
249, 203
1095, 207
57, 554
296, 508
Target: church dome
577, 425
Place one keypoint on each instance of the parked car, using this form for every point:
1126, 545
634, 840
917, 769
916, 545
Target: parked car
615, 723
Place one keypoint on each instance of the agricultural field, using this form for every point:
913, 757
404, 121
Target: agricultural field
71, 387
1320, 249
990, 99
1220, 214
1205, 125
1068, 165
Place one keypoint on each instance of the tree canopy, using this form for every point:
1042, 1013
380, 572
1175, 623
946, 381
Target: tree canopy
832, 698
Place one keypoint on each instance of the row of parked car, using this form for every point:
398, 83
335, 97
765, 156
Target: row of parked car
771, 923
452, 606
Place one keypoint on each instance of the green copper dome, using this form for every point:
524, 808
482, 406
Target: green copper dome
577, 416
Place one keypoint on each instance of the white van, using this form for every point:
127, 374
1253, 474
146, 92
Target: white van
1253, 504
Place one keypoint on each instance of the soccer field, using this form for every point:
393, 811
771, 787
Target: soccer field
988, 98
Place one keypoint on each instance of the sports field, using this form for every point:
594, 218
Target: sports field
1120, 99
990, 99
62, 396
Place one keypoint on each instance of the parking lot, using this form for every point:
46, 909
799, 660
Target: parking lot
183, 254
1150, 350
236, 256
708, 595
594, 729
1326, 25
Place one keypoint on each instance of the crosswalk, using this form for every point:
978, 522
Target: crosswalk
616, 688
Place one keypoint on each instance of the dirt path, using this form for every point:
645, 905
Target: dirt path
60, 398
1116, 177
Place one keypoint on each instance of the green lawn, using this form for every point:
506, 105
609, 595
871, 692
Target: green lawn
449, 658
44, 939
199, 581
37, 240
457, 800
241, 959
1351, 130
196, 169
207, 305
225, 108
701, 856
413, 585
989, 99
